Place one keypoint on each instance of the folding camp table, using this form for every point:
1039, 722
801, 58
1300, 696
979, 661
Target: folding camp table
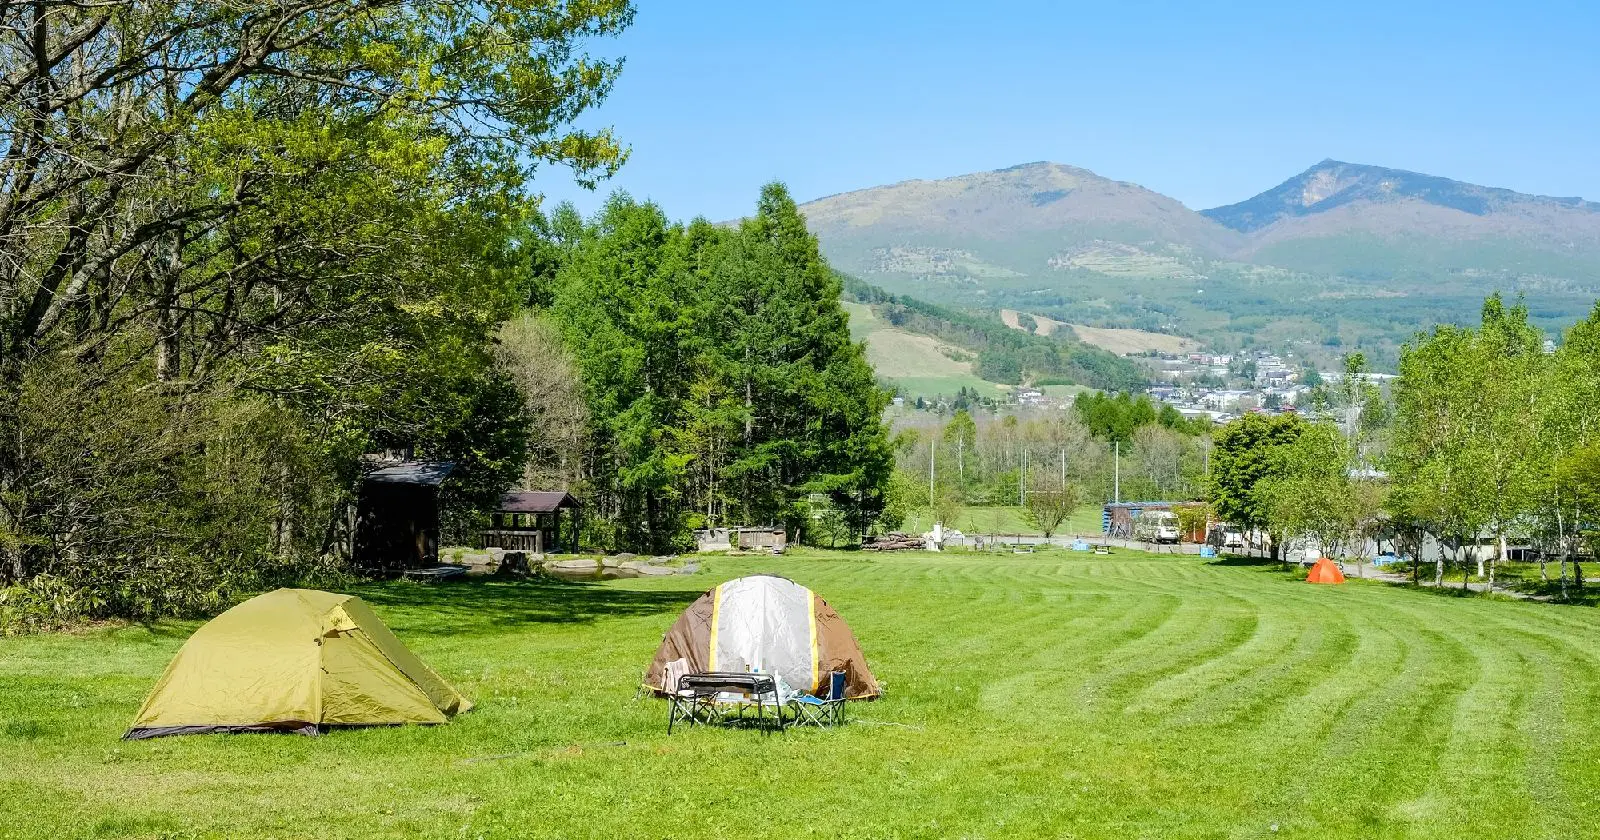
723, 697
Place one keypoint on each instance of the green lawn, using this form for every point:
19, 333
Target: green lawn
1050, 695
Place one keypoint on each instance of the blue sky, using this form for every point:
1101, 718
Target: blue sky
1209, 103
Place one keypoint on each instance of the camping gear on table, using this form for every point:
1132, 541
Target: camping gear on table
826, 711
768, 624
1325, 571
724, 697
294, 660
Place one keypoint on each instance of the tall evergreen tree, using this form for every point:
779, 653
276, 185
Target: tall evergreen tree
619, 303
810, 406
721, 381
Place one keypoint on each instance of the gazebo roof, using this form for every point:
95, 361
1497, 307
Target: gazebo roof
427, 473
536, 501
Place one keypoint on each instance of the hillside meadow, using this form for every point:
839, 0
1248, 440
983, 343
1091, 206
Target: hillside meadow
1054, 695
919, 364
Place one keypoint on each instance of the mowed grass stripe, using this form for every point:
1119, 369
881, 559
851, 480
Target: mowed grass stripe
1342, 755
1202, 630
1558, 743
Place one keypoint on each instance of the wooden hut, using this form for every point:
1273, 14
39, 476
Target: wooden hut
743, 538
530, 520
397, 516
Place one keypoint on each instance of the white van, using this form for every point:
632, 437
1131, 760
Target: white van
1157, 526
1304, 551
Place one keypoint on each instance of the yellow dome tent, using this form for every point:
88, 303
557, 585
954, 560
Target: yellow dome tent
294, 660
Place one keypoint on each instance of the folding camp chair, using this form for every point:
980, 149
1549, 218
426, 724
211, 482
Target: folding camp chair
818, 711
685, 703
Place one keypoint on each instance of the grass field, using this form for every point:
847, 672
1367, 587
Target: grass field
1052, 695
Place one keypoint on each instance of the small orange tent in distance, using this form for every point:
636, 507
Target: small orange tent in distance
1325, 571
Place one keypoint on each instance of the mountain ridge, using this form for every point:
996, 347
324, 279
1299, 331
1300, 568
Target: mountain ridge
1340, 255
998, 204
1331, 183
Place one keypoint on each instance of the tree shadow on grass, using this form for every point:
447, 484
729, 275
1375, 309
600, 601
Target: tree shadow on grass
1241, 560
1450, 589
1549, 594
478, 606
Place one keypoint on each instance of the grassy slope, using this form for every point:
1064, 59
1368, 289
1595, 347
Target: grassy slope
1119, 341
913, 361
1052, 695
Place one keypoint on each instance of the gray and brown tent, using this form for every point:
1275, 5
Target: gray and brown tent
767, 623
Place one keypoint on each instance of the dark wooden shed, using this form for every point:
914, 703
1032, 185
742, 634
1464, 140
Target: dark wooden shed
530, 520
397, 517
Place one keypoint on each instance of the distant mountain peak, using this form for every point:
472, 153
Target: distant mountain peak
1037, 164
1047, 204
1333, 183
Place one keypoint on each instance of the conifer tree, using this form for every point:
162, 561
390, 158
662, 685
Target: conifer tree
811, 408
619, 303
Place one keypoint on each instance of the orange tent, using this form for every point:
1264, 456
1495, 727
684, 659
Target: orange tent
1325, 571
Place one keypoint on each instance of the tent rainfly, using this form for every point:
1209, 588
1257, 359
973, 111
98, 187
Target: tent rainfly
1325, 571
296, 661
766, 623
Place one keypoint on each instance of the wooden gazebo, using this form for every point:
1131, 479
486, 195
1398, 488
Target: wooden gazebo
530, 520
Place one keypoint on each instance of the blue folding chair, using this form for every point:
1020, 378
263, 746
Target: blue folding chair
822, 711
1207, 551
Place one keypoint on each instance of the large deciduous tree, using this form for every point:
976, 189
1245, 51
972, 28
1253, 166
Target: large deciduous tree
1437, 475
1467, 455
1570, 435
1310, 492
260, 239
1245, 454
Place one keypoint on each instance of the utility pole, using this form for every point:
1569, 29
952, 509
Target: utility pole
1022, 479
933, 452
1116, 471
